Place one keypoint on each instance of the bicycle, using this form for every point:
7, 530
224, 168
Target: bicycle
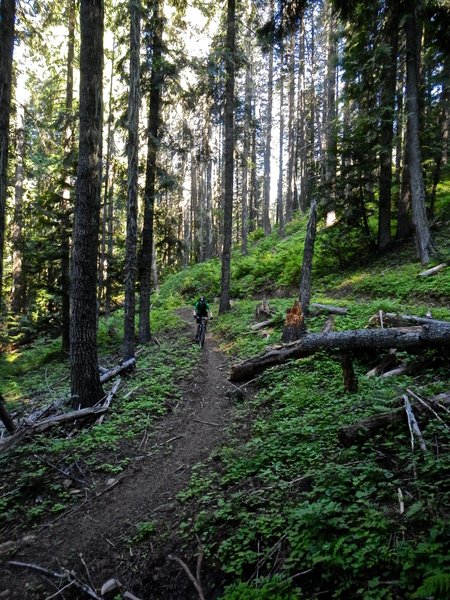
201, 331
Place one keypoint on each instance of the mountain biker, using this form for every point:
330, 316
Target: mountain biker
201, 309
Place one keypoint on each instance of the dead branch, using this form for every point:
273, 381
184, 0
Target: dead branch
333, 310
125, 367
195, 580
393, 320
434, 270
109, 399
413, 425
329, 325
386, 363
65, 575
372, 425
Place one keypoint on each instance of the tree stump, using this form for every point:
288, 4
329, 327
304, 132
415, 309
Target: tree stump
294, 325
350, 379
263, 311
6, 417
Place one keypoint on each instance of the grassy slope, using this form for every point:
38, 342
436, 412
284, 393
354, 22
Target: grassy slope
283, 511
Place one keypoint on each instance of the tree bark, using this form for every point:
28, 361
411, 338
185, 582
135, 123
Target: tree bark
388, 74
268, 138
66, 208
132, 184
156, 80
330, 116
86, 389
104, 275
308, 254
280, 203
408, 338
18, 283
7, 21
229, 159
246, 150
422, 230
291, 131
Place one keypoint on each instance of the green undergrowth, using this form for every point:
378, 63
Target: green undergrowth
47, 474
286, 511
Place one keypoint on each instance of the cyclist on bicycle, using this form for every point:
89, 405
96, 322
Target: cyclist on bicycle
201, 309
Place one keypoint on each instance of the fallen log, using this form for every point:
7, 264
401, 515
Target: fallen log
408, 338
394, 320
125, 367
366, 428
264, 324
333, 310
46, 424
433, 270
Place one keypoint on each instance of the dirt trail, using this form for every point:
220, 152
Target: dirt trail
92, 537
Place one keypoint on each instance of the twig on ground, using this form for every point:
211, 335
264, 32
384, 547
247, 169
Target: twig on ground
65, 473
413, 425
196, 583
65, 575
168, 441
207, 423
428, 407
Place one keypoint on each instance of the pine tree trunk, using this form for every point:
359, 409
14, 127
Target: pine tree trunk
7, 19
389, 74
268, 139
229, 158
246, 150
280, 203
104, 262
150, 178
291, 132
330, 125
308, 254
18, 284
86, 389
66, 207
422, 230
134, 98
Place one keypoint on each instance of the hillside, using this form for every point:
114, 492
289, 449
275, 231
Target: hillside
279, 507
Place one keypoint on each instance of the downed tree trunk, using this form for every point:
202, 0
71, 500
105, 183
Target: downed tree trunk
434, 270
333, 310
368, 427
42, 426
125, 367
394, 320
359, 339
388, 362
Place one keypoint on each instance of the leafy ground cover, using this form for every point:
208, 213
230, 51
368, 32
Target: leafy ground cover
283, 510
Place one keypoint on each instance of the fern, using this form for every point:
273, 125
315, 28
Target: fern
436, 587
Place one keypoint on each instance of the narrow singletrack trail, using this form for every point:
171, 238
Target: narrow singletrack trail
93, 537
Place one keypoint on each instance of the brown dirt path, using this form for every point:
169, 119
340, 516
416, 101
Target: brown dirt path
92, 538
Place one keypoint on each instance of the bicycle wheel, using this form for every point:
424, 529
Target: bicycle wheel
201, 337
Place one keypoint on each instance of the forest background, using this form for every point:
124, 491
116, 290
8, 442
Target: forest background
222, 126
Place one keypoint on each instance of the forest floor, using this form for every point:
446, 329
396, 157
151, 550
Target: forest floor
92, 539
